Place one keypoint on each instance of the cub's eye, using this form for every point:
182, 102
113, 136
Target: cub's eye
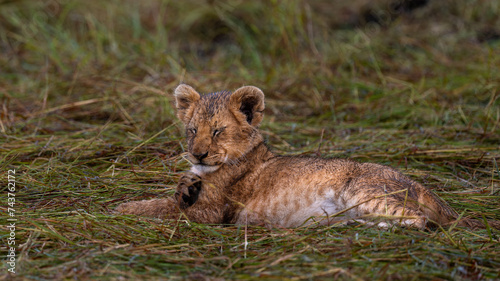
218, 131
192, 131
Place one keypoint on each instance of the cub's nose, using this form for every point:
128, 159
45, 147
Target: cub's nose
200, 156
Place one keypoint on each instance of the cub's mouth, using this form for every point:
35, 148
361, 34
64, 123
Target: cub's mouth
202, 167
208, 161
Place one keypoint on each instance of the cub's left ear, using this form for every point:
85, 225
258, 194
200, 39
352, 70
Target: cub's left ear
248, 104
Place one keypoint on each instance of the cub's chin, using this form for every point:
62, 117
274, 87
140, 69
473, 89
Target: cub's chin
201, 170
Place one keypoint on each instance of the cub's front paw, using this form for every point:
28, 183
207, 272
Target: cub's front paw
155, 208
188, 190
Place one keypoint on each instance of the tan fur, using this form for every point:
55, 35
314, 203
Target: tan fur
235, 178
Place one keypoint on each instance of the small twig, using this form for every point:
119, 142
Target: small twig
69, 105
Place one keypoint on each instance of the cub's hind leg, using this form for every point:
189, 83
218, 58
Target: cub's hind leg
392, 199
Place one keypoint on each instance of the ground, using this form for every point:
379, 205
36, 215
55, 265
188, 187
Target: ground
87, 121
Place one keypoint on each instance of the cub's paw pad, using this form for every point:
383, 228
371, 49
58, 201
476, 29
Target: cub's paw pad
188, 190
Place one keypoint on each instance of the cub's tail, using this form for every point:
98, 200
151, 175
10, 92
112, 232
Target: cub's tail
479, 224
440, 212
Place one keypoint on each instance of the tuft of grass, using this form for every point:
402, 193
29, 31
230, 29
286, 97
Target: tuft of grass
87, 122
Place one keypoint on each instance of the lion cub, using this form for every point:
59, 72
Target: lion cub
235, 178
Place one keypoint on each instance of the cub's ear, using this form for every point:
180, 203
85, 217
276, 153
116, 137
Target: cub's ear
185, 100
248, 104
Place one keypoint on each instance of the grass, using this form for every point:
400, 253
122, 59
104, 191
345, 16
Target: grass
87, 122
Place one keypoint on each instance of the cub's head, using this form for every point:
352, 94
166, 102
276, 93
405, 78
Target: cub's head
220, 127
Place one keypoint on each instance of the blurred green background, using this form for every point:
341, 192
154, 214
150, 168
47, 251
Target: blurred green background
407, 63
